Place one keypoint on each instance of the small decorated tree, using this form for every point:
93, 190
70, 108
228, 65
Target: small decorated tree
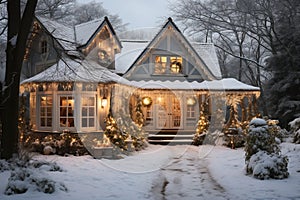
124, 133
139, 116
263, 158
201, 130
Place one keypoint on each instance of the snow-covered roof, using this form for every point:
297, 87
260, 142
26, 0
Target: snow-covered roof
133, 48
63, 33
129, 53
203, 51
227, 84
67, 70
207, 53
85, 30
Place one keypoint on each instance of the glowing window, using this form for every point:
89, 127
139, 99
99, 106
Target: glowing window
46, 111
160, 64
66, 111
175, 64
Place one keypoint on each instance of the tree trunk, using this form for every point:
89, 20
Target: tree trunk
18, 30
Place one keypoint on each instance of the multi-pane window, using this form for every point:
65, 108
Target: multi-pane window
88, 111
175, 65
33, 110
66, 111
168, 64
46, 111
190, 111
44, 46
160, 64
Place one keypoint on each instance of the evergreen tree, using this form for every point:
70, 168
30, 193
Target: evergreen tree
283, 87
139, 116
201, 130
122, 131
262, 154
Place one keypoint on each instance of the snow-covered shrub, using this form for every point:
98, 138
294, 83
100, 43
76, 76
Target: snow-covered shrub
276, 130
259, 139
295, 130
47, 166
263, 158
30, 176
264, 166
24, 179
4, 165
60, 144
234, 138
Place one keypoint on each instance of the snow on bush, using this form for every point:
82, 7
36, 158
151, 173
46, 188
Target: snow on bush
31, 176
259, 138
264, 166
4, 165
279, 133
295, 129
263, 158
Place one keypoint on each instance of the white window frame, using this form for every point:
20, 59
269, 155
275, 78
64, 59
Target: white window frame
168, 63
88, 95
38, 107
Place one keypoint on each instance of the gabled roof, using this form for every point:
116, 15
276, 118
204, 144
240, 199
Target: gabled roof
86, 32
210, 62
70, 38
69, 70
62, 33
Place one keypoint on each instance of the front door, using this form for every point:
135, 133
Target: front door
168, 112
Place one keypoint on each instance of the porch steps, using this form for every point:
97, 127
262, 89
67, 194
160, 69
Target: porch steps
171, 137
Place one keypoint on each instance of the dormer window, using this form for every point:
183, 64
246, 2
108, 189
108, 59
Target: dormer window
44, 46
168, 65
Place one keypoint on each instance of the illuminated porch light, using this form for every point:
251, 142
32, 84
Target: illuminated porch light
190, 101
104, 102
159, 99
147, 101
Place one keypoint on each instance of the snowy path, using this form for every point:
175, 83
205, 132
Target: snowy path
187, 177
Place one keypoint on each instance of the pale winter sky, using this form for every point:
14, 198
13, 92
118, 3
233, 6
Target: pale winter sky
138, 13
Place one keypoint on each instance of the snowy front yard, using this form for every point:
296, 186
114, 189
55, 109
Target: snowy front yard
165, 172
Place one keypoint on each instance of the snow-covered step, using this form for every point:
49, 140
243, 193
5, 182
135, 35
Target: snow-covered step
181, 136
171, 142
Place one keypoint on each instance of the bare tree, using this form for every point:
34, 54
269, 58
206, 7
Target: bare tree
245, 30
71, 12
95, 10
55, 9
17, 33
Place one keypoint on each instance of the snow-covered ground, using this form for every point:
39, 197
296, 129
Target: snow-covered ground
165, 172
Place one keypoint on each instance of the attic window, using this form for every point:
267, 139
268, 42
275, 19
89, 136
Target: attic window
160, 64
44, 46
176, 63
168, 65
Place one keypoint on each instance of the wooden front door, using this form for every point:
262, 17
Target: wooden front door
168, 112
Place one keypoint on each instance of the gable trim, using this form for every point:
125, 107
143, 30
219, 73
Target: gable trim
111, 29
194, 52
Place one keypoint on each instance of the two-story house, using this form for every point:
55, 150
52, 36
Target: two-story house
76, 75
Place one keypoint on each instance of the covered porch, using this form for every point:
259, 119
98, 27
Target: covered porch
169, 111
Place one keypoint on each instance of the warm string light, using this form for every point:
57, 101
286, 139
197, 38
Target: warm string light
35, 30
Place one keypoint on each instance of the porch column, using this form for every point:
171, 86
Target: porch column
244, 109
249, 109
233, 101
